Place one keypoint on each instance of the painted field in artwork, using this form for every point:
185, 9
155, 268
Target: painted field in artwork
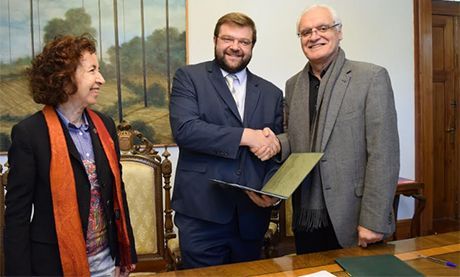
139, 49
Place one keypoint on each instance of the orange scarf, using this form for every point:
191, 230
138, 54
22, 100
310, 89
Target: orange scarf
72, 247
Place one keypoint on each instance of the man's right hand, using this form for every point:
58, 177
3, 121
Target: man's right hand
263, 143
367, 236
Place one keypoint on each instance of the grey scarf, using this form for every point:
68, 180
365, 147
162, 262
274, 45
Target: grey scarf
309, 207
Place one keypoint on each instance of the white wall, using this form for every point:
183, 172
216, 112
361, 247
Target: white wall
369, 35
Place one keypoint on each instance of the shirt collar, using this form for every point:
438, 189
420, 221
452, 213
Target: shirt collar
84, 126
241, 75
322, 72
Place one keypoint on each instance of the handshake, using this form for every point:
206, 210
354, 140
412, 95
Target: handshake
263, 143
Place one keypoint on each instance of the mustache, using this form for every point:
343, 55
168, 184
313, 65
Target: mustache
234, 52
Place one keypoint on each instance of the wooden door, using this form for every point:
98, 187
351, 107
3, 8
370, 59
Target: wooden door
446, 102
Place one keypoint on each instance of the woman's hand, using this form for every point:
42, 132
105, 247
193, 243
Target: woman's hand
124, 271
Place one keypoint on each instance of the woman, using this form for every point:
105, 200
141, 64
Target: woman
66, 210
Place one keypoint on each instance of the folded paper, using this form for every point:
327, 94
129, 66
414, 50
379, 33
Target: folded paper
288, 177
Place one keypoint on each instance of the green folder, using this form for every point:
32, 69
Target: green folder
287, 178
377, 265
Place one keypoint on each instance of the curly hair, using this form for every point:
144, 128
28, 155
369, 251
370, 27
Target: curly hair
51, 76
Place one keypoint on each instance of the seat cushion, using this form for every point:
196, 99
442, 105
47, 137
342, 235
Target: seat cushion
139, 185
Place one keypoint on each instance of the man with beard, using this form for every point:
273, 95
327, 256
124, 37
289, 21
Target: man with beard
224, 120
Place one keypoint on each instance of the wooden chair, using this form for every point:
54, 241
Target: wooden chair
272, 236
173, 254
414, 189
144, 153
3, 180
143, 170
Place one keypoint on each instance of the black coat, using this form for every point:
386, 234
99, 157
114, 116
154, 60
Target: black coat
31, 246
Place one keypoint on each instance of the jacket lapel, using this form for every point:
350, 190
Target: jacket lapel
298, 111
101, 162
218, 81
338, 93
252, 98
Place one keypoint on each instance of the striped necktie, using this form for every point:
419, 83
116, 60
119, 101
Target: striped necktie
230, 79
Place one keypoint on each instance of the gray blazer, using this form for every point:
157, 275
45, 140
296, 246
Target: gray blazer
360, 166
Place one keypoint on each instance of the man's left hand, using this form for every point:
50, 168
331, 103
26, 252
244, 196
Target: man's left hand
366, 236
262, 200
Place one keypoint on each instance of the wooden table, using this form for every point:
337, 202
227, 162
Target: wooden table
444, 246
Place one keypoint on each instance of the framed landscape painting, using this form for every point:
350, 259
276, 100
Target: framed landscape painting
140, 44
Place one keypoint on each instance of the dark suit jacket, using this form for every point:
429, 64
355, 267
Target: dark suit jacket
31, 245
207, 128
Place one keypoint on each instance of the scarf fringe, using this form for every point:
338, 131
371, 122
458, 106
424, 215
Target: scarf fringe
309, 220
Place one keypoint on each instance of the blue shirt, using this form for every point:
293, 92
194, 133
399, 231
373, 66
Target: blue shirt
80, 136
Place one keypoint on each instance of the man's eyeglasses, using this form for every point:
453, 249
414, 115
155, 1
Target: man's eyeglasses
231, 40
322, 29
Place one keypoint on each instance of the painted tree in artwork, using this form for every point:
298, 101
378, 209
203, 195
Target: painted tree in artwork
138, 75
131, 61
76, 22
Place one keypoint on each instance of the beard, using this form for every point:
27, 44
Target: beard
222, 62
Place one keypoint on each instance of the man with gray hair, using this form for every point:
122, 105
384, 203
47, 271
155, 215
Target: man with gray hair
346, 110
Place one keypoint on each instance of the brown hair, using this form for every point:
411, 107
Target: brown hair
51, 76
239, 19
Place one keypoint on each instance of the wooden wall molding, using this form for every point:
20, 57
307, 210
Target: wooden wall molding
424, 144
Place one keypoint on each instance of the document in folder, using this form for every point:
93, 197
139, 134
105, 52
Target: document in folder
288, 177
376, 265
